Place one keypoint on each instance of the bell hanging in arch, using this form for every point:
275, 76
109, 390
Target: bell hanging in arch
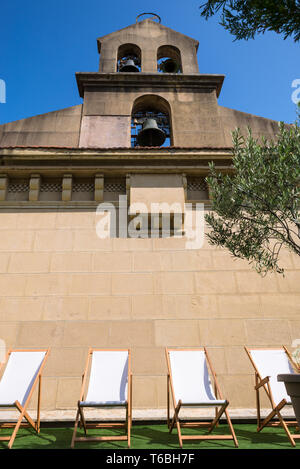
151, 135
169, 66
129, 66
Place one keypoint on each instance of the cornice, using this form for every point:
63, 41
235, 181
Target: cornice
141, 152
157, 160
156, 81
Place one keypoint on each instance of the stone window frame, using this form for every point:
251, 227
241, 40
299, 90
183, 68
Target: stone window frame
169, 52
129, 50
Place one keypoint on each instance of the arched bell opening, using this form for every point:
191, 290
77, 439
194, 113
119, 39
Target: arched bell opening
129, 59
151, 122
169, 60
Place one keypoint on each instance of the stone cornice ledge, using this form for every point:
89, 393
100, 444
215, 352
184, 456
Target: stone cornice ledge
154, 80
113, 153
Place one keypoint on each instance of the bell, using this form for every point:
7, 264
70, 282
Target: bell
151, 135
169, 66
129, 66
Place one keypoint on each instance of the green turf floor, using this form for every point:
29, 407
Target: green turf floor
151, 437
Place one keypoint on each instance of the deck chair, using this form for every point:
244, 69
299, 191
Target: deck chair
189, 384
109, 385
22, 371
267, 364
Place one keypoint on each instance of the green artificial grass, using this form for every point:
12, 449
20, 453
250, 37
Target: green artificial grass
150, 437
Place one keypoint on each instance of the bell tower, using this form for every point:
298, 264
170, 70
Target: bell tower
149, 42
148, 92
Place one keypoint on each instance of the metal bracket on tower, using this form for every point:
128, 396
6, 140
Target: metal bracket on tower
153, 17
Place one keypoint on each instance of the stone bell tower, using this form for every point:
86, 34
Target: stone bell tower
116, 98
147, 128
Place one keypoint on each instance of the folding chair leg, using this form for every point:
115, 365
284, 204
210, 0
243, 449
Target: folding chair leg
39, 406
218, 416
217, 419
26, 416
75, 427
14, 434
178, 427
129, 410
276, 411
179, 432
272, 414
176, 411
82, 420
284, 425
168, 401
129, 417
257, 403
231, 429
31, 422
176, 420
216, 413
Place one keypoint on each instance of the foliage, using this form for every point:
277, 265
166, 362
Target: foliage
256, 209
246, 18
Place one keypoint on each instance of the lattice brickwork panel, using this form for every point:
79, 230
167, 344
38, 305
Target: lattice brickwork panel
51, 186
18, 185
115, 185
83, 187
196, 184
197, 188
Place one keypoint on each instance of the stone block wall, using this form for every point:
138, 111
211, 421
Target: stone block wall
64, 288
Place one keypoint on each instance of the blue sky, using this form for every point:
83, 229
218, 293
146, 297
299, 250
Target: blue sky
43, 44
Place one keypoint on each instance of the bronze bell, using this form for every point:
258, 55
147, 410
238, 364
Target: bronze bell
129, 66
169, 66
151, 135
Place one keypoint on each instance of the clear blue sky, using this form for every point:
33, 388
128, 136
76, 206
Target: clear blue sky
43, 44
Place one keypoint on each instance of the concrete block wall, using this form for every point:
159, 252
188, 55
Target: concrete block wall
62, 287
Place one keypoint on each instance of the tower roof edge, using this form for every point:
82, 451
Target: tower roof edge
137, 26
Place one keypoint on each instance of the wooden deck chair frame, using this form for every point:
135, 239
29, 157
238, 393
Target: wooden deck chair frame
219, 409
263, 382
23, 408
80, 418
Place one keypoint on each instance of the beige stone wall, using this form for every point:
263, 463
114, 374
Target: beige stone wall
116, 106
62, 287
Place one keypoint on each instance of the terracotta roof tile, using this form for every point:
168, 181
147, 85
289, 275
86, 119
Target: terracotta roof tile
112, 148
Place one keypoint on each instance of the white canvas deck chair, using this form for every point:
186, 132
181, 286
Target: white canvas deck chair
267, 364
190, 386
109, 385
22, 371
